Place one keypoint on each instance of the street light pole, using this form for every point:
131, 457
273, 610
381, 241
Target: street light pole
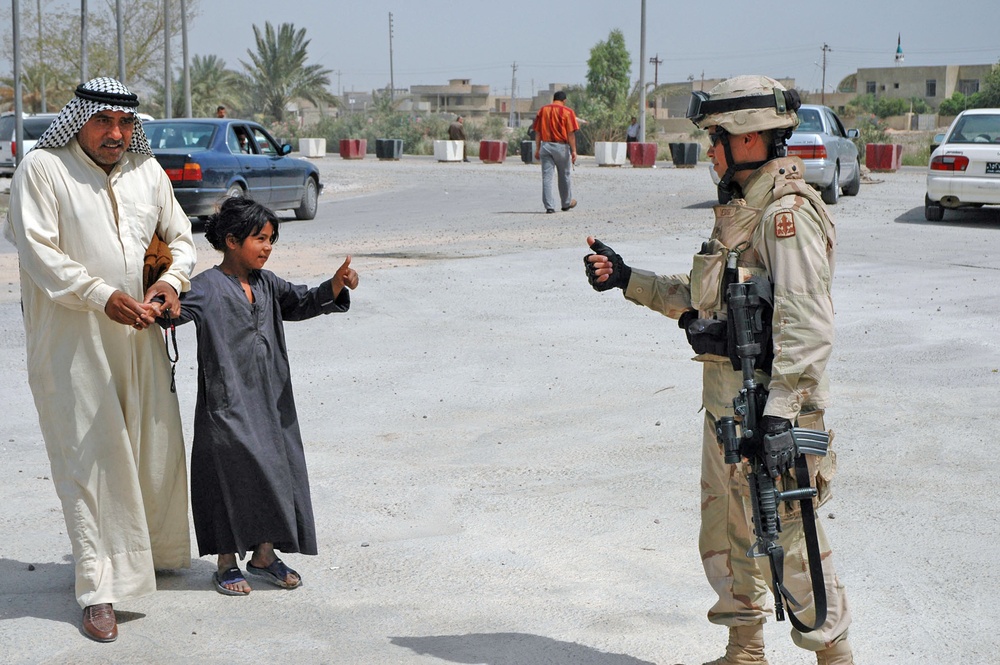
642, 76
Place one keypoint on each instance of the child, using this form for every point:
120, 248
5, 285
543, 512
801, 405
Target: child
249, 487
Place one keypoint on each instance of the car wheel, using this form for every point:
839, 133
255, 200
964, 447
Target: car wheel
234, 191
855, 186
310, 200
832, 193
933, 212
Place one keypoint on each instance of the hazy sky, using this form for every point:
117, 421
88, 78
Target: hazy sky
550, 40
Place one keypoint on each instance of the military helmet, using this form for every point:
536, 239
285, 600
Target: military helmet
745, 104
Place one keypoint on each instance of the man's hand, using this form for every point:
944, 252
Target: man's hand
605, 269
779, 445
126, 310
164, 296
345, 276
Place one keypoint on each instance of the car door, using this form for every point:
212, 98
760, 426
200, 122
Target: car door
286, 178
254, 166
840, 145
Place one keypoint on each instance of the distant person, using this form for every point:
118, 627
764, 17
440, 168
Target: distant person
220, 111
555, 144
632, 133
456, 132
249, 486
84, 206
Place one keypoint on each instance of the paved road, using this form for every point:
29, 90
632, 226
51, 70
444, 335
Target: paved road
504, 464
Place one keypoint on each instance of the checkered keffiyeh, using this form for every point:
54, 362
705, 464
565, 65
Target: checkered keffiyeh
100, 94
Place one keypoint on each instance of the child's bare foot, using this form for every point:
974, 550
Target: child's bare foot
265, 564
228, 579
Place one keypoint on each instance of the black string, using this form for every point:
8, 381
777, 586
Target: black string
170, 335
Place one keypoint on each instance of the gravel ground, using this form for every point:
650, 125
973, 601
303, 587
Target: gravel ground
504, 464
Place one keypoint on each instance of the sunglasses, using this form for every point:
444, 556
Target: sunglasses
716, 136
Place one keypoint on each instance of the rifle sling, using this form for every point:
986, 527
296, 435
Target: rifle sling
812, 549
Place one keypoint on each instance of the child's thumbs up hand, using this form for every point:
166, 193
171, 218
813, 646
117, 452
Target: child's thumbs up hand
345, 276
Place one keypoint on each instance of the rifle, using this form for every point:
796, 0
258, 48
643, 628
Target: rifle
747, 325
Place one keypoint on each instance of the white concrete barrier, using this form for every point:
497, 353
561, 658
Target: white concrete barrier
448, 151
312, 147
610, 153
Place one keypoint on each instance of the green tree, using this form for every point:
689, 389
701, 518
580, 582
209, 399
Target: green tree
57, 52
608, 70
990, 92
278, 73
211, 84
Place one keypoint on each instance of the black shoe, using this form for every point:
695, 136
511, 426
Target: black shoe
550, 210
572, 204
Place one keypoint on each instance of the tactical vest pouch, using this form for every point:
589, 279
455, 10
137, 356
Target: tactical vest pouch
705, 335
706, 277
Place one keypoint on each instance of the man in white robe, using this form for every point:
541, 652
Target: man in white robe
84, 205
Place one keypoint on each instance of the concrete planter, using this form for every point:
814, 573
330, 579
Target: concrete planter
493, 152
883, 156
684, 155
610, 153
312, 147
528, 152
353, 148
448, 151
642, 155
389, 149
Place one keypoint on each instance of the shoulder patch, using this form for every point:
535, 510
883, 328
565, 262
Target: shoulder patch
784, 224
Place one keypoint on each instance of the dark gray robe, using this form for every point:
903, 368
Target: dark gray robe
248, 471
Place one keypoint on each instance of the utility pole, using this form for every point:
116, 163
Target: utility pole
392, 83
338, 81
168, 103
18, 107
184, 53
822, 94
513, 97
656, 62
642, 75
120, 30
83, 41
40, 65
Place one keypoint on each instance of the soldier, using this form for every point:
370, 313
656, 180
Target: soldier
779, 229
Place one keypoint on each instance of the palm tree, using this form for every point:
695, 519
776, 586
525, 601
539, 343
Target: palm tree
278, 73
211, 85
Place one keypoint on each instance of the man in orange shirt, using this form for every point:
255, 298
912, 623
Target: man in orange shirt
555, 145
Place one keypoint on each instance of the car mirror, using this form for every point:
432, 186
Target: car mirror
853, 133
285, 149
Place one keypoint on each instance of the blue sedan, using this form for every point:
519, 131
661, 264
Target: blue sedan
209, 159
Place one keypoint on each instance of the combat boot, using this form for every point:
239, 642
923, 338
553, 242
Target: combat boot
838, 654
746, 646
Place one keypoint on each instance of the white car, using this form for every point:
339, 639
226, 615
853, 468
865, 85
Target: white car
964, 171
33, 127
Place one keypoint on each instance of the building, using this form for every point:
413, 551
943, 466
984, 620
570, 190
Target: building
460, 96
932, 84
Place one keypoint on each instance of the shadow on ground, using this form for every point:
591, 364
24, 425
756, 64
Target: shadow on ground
511, 649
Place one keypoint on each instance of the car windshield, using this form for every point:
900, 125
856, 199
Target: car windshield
809, 121
183, 135
976, 128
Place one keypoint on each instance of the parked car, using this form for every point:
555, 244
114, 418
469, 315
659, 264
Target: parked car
831, 157
32, 127
964, 171
209, 159
825, 147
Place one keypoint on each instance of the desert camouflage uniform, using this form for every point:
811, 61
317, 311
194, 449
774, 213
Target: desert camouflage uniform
784, 232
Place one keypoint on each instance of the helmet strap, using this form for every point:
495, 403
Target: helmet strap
726, 182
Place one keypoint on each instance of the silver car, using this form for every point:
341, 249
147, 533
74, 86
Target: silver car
964, 171
825, 147
831, 158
